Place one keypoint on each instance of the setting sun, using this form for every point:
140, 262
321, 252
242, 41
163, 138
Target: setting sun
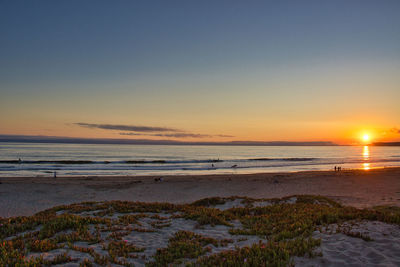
366, 137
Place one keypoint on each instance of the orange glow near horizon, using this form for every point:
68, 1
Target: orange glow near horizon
346, 134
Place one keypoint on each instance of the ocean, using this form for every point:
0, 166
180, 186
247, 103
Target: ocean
37, 159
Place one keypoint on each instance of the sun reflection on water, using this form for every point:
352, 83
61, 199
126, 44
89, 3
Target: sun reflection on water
366, 155
366, 166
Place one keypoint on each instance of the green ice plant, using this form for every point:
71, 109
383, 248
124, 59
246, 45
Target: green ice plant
286, 226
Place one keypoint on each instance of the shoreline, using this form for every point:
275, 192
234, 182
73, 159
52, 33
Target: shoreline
215, 175
359, 188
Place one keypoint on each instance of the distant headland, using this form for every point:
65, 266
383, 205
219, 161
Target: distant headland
386, 144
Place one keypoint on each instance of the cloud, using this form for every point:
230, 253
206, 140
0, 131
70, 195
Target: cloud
130, 128
395, 130
224, 135
176, 135
134, 130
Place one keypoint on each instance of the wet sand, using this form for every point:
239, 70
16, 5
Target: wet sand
359, 188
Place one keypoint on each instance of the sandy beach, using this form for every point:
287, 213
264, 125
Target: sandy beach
358, 188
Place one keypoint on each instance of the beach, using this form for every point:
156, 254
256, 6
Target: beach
25, 196
313, 218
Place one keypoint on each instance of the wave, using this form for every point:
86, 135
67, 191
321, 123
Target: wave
47, 162
78, 162
67, 162
144, 161
284, 159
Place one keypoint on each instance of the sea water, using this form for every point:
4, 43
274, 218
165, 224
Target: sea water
37, 159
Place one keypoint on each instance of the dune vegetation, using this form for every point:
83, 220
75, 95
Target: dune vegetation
259, 232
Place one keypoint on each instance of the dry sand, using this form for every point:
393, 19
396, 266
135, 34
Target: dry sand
341, 250
359, 188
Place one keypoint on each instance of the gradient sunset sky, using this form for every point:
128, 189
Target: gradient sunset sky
201, 70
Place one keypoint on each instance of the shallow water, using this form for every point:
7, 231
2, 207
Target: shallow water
31, 159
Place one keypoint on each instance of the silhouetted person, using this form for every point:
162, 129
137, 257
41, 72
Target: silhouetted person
335, 168
19, 160
55, 174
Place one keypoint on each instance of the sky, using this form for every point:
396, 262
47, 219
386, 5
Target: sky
201, 70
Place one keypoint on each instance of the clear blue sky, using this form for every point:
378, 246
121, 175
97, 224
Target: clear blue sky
268, 64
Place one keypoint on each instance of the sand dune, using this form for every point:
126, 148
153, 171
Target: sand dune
356, 242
